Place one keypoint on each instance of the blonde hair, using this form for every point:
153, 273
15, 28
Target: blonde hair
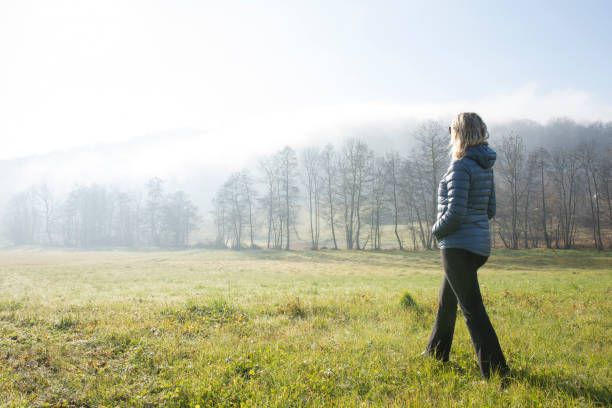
468, 129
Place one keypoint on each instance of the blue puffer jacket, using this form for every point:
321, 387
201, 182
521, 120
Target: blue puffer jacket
466, 202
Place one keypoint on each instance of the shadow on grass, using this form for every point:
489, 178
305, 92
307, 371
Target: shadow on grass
574, 387
571, 386
522, 259
555, 259
375, 258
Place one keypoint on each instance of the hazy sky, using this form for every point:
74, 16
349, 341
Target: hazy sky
254, 74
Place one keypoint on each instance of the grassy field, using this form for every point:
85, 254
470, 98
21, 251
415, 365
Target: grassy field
277, 329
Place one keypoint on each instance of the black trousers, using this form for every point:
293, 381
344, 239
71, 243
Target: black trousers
461, 284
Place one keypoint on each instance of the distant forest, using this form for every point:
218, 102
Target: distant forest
551, 194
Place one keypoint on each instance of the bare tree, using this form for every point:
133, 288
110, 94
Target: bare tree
88, 217
269, 169
541, 160
565, 177
238, 210
22, 218
329, 164
430, 161
179, 219
289, 190
126, 220
364, 178
348, 190
410, 195
311, 160
221, 216
591, 164
45, 196
529, 185
234, 211
377, 208
511, 166
415, 192
393, 163
155, 202
250, 197
354, 170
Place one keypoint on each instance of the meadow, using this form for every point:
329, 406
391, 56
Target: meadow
265, 328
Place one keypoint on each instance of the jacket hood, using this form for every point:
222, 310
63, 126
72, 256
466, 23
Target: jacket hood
482, 154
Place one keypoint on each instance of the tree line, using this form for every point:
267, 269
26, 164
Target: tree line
99, 216
349, 197
346, 196
555, 198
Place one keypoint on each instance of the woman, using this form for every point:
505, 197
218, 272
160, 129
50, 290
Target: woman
466, 202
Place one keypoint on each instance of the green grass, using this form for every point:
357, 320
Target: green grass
305, 328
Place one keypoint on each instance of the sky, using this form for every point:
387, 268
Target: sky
254, 75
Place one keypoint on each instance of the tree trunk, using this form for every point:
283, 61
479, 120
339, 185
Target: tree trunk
288, 247
544, 216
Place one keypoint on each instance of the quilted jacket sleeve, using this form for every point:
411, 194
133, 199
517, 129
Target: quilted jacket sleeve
458, 187
492, 204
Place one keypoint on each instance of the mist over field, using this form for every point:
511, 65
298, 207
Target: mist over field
197, 163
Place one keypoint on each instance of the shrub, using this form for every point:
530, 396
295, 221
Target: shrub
293, 308
407, 301
66, 322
